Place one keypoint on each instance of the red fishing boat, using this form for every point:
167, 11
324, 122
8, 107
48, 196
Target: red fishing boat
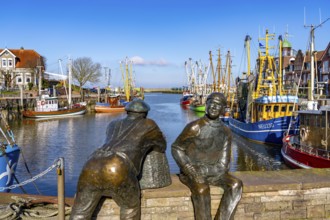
186, 99
310, 148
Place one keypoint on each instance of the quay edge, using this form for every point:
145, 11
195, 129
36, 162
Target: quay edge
284, 194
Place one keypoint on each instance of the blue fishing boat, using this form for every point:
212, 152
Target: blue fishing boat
264, 109
9, 155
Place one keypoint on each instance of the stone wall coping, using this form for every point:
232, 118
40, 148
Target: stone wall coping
255, 181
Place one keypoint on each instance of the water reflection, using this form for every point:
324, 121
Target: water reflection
251, 156
75, 138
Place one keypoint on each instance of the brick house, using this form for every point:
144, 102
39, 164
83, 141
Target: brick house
20, 67
288, 58
325, 68
300, 69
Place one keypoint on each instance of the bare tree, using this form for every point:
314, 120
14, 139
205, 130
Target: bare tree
85, 70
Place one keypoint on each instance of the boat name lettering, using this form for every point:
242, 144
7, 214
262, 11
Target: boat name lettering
265, 126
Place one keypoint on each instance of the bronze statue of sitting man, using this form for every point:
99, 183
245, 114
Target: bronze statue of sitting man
202, 152
113, 169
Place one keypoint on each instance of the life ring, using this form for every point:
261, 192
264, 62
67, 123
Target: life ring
42, 102
302, 134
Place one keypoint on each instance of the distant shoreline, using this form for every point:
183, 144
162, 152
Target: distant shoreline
162, 90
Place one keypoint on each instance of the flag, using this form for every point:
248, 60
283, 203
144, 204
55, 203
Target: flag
261, 46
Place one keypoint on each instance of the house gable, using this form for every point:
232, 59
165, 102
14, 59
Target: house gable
3, 51
326, 53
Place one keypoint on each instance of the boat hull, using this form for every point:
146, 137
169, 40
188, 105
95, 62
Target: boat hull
225, 119
197, 108
55, 114
267, 131
8, 163
108, 109
296, 158
185, 102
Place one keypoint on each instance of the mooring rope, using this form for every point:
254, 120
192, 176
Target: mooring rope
27, 209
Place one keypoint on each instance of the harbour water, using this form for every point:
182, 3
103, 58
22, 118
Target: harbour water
75, 138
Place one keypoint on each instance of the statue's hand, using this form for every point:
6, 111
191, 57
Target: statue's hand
199, 179
194, 172
189, 170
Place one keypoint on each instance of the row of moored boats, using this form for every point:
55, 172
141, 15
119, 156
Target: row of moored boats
261, 109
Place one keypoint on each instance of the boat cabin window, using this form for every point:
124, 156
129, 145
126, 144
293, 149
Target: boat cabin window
312, 120
276, 108
317, 121
307, 120
322, 121
268, 108
290, 108
283, 108
302, 119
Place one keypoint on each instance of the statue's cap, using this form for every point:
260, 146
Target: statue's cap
137, 105
216, 95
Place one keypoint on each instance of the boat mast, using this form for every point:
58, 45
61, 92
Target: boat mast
191, 76
312, 54
213, 73
219, 70
279, 78
126, 77
249, 98
311, 91
228, 70
70, 79
247, 48
266, 69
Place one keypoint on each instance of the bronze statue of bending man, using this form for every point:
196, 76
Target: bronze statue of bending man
113, 169
202, 152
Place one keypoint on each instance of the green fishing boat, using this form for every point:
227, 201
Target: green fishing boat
198, 107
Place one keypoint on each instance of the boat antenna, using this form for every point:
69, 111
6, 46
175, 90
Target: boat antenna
312, 29
304, 16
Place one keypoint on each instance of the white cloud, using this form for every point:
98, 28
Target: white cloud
137, 60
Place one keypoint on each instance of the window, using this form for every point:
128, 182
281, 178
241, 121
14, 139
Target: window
4, 62
10, 62
259, 108
290, 108
19, 78
323, 121
307, 120
302, 119
27, 77
276, 108
307, 66
291, 67
283, 109
326, 66
318, 123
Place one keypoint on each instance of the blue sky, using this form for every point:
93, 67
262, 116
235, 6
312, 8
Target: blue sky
161, 35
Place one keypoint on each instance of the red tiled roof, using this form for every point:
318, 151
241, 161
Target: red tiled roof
26, 58
319, 55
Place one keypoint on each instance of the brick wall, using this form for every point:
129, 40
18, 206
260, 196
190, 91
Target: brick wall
285, 194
